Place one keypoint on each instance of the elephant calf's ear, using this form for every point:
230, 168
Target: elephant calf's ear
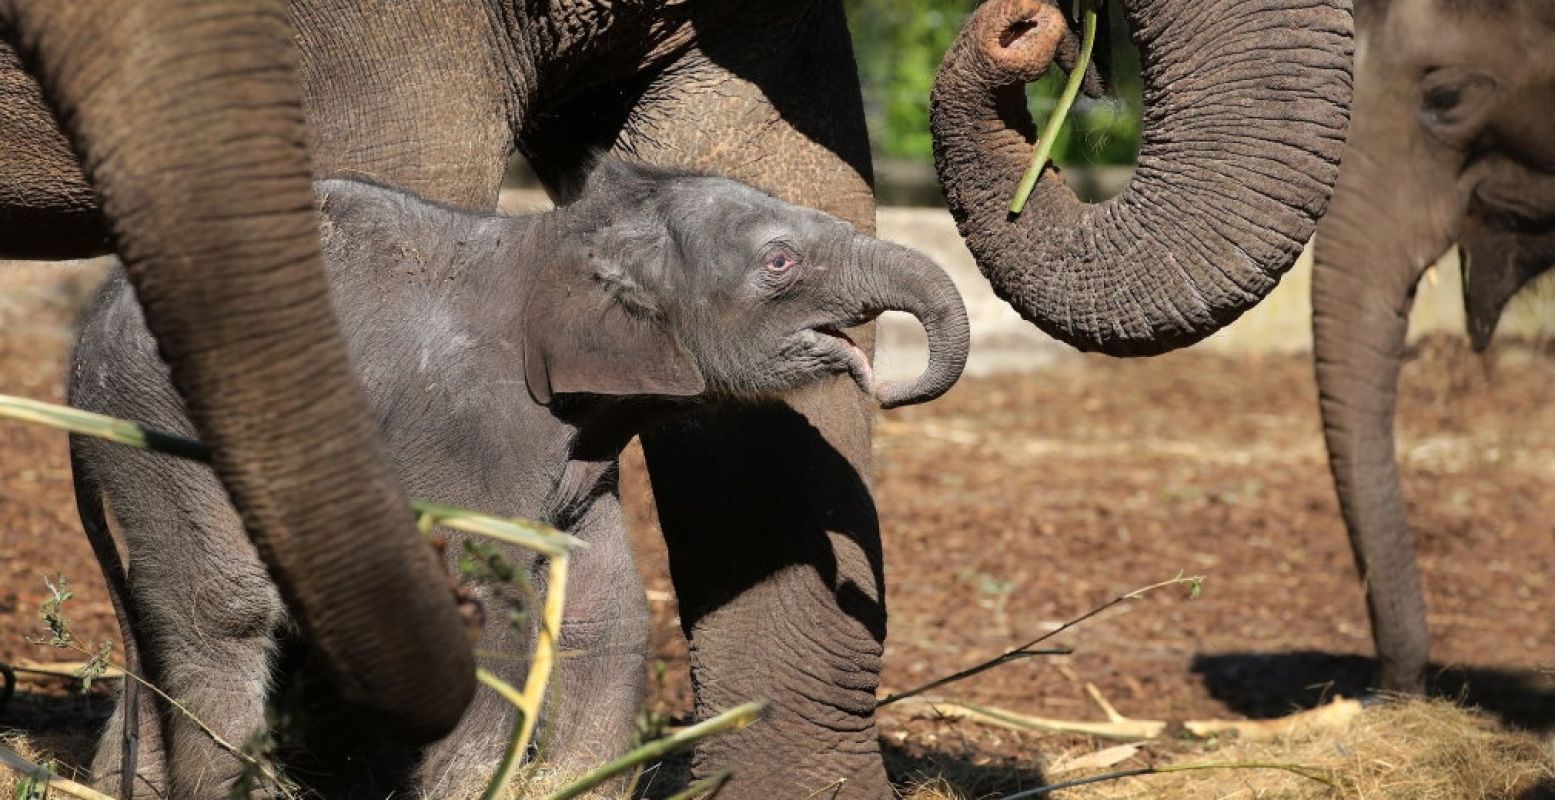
583, 337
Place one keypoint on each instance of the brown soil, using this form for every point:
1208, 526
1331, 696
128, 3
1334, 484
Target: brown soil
1017, 502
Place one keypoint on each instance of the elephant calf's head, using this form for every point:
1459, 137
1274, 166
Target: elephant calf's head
684, 285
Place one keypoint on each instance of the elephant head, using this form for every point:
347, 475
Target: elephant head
188, 118
1450, 142
1245, 117
685, 285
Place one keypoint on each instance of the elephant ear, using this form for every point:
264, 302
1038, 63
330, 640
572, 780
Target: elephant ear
590, 329
1501, 254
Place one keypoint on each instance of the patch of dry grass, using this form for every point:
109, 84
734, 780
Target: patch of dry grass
1398, 750
43, 750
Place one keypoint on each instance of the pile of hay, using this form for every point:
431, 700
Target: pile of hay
1397, 750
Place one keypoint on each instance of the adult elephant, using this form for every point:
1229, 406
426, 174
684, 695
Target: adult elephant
1246, 109
1451, 143
186, 115
772, 534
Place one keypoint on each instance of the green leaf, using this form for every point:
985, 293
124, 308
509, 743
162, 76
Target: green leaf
95, 667
52, 612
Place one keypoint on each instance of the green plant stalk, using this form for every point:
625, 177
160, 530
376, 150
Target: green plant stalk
1055, 122
535, 536
103, 427
531, 535
733, 719
1310, 773
515, 751
703, 788
535, 683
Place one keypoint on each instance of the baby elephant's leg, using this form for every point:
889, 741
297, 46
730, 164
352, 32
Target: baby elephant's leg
604, 643
150, 766
207, 614
596, 685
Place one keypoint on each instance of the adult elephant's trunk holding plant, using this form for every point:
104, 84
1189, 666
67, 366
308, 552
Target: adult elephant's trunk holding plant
1246, 107
188, 119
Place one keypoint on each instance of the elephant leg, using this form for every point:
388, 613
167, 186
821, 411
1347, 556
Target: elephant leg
142, 752
150, 764
775, 555
410, 94
773, 538
208, 614
597, 685
605, 630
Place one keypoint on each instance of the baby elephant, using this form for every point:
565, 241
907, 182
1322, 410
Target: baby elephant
508, 360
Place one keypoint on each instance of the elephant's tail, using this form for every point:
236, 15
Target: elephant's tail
94, 520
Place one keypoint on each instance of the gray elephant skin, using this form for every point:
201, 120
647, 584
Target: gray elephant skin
508, 360
1451, 142
766, 509
198, 156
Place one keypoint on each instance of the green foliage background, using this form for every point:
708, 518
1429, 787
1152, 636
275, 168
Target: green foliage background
899, 44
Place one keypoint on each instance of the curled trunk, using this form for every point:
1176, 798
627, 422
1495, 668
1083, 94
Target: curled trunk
188, 119
901, 279
1246, 108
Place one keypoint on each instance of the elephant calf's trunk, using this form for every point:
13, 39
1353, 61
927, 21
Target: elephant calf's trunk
915, 284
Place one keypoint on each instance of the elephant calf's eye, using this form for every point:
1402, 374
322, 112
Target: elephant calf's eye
781, 259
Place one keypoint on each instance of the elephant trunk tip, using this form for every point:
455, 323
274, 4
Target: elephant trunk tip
949, 343
1021, 37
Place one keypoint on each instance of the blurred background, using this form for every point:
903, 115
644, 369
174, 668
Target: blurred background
899, 43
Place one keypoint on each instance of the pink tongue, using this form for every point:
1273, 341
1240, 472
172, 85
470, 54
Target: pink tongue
859, 367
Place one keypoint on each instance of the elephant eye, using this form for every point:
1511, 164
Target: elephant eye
1440, 99
781, 259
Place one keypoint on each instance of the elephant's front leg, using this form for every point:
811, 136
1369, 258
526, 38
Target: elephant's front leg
773, 538
775, 553
604, 640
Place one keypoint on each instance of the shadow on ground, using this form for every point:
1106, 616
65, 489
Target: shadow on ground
972, 774
1543, 790
61, 724
909, 766
1265, 685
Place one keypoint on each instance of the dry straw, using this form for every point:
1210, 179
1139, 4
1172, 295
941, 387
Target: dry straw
1400, 749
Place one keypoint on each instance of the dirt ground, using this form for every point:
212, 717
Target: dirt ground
1019, 501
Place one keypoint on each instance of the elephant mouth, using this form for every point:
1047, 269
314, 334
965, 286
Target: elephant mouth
839, 347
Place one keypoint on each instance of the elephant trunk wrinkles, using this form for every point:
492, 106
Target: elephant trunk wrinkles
1362, 291
896, 278
1246, 107
211, 211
